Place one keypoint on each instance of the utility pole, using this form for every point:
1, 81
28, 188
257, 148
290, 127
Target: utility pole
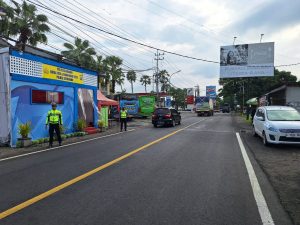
157, 58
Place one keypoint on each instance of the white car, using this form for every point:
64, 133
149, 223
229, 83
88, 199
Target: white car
277, 125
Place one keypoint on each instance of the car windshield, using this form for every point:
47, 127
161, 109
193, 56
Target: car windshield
283, 115
162, 111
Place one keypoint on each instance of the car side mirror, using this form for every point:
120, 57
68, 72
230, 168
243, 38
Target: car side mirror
260, 118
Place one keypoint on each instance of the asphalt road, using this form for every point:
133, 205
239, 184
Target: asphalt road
194, 175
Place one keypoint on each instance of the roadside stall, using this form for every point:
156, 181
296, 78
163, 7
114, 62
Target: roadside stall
108, 109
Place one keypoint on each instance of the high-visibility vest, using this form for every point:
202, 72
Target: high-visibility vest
54, 117
123, 114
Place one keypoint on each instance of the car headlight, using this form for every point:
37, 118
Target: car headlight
273, 129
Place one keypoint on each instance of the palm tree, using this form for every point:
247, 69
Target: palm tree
26, 24
114, 73
163, 79
6, 21
81, 53
145, 80
131, 77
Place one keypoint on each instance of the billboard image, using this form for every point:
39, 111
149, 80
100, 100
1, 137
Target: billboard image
211, 91
247, 60
190, 91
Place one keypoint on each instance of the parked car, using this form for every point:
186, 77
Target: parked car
277, 125
165, 116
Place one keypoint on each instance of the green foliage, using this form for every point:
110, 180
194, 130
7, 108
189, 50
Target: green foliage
18, 144
145, 80
22, 21
131, 77
179, 96
35, 142
81, 125
112, 67
253, 86
46, 140
63, 136
24, 129
100, 123
81, 53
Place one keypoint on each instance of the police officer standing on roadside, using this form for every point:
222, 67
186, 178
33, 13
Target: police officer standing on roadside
54, 120
123, 118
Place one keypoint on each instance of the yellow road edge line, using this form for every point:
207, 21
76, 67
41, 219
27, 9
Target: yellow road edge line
46, 194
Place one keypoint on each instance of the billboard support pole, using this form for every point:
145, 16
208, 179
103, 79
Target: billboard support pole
261, 36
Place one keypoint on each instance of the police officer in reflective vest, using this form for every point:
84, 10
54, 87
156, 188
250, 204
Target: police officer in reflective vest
54, 120
123, 118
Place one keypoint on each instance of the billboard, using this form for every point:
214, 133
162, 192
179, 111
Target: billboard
190, 91
247, 60
211, 91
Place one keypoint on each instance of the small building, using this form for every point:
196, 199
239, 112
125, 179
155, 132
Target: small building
31, 80
287, 95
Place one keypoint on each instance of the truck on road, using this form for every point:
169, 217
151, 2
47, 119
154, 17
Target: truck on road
204, 106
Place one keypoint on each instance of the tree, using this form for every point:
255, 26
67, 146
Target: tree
131, 77
23, 21
112, 65
145, 80
254, 86
163, 79
81, 53
179, 96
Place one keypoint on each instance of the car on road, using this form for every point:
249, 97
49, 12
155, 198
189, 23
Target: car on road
165, 116
277, 125
226, 108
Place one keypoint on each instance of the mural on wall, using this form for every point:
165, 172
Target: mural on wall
23, 110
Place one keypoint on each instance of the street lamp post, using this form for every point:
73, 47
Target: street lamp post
172, 75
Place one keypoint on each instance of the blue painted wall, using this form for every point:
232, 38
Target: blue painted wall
23, 111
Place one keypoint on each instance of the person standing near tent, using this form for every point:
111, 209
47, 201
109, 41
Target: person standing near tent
123, 118
54, 120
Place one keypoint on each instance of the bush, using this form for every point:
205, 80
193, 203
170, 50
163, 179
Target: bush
46, 140
100, 123
24, 129
35, 142
63, 136
19, 144
40, 141
81, 124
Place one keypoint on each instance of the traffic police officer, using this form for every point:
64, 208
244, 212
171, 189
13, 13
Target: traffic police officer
123, 118
54, 120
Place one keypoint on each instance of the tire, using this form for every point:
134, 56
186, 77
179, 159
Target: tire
179, 122
173, 123
265, 141
155, 125
254, 134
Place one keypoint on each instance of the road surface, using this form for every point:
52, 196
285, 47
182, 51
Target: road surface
193, 173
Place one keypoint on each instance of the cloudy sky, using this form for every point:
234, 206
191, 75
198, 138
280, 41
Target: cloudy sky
195, 28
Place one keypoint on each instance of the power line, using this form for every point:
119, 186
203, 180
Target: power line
124, 38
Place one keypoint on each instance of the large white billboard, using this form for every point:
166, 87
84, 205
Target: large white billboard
248, 60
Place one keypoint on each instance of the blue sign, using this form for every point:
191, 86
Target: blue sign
211, 91
168, 101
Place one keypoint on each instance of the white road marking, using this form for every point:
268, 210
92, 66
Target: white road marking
261, 203
50, 149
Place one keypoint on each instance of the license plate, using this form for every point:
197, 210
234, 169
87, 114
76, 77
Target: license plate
160, 122
296, 135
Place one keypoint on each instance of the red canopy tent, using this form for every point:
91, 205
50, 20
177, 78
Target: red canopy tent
104, 101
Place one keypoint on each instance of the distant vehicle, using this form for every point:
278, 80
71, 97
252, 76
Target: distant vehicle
204, 106
165, 116
277, 125
146, 105
226, 108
